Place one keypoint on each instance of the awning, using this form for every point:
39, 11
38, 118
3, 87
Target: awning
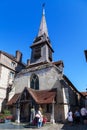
40, 96
14, 99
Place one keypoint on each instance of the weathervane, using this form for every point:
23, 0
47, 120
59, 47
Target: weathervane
43, 5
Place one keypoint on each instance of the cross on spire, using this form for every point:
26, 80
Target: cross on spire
43, 5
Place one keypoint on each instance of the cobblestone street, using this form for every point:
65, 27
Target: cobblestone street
13, 126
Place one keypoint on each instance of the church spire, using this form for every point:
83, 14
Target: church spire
41, 47
43, 26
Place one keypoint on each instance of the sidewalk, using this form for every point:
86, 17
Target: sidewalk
57, 126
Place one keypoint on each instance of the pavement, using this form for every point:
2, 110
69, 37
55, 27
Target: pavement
56, 126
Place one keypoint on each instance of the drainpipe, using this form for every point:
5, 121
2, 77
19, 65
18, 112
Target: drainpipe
52, 114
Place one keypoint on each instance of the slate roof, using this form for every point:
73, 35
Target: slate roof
40, 96
73, 87
43, 96
57, 63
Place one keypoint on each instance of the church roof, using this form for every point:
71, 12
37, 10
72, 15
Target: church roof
70, 83
57, 63
73, 87
40, 96
43, 26
43, 96
39, 66
42, 36
84, 93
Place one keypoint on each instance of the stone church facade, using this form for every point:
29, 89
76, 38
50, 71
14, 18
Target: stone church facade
42, 84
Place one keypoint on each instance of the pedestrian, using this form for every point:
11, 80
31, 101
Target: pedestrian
39, 117
70, 117
77, 116
40, 121
83, 114
32, 116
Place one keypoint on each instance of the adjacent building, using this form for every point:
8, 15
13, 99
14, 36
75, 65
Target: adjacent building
9, 67
85, 52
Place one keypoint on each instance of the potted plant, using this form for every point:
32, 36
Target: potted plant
2, 118
7, 115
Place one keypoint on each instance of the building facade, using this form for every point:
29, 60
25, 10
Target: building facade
9, 67
41, 83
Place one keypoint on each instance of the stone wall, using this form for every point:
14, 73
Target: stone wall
7, 67
3, 84
48, 79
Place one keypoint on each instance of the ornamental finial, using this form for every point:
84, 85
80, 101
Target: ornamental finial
43, 5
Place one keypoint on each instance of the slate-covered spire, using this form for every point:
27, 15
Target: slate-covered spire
41, 47
43, 26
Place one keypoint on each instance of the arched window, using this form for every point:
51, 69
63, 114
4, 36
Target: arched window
34, 82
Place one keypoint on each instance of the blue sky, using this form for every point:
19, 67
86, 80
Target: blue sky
67, 27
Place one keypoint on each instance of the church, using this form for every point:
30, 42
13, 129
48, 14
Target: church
41, 83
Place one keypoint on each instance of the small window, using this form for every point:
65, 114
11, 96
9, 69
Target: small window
12, 64
11, 76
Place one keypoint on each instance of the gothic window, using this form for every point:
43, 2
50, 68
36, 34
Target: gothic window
34, 82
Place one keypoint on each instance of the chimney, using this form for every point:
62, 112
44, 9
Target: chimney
28, 62
18, 56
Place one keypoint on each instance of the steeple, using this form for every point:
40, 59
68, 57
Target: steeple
43, 26
41, 47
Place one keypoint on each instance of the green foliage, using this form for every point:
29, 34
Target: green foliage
1, 116
7, 112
